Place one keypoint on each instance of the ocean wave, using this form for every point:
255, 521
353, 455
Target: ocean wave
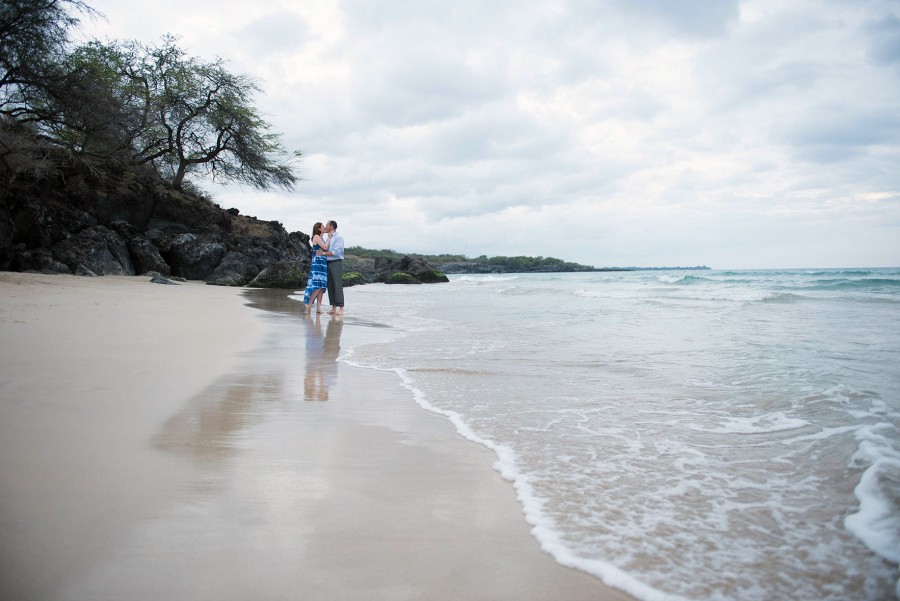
877, 522
737, 295
876, 300
482, 279
450, 370
526, 291
671, 278
865, 284
763, 424
848, 272
784, 297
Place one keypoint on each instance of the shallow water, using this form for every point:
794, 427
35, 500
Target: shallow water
703, 435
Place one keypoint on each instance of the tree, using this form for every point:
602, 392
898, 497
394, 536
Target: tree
102, 104
179, 113
128, 101
203, 120
33, 39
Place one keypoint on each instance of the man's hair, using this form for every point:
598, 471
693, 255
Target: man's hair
332, 223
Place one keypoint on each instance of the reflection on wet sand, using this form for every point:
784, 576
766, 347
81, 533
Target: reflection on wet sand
321, 356
208, 428
205, 428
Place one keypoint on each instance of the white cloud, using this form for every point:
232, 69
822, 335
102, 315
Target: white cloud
738, 134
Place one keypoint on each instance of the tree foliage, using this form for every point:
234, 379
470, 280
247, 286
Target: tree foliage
135, 102
33, 39
205, 121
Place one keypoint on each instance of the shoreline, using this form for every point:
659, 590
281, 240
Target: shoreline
266, 468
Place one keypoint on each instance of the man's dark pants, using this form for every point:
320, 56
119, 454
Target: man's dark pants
336, 283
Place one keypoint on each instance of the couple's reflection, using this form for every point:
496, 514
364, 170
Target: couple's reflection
321, 356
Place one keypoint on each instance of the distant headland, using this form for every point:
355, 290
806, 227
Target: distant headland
459, 264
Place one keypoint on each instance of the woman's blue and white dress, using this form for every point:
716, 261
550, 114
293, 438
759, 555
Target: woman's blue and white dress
318, 274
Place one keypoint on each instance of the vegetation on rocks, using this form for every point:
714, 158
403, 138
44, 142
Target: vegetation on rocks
460, 264
353, 278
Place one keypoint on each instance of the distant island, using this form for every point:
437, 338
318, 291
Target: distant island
460, 264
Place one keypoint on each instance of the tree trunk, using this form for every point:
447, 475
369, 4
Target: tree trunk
179, 175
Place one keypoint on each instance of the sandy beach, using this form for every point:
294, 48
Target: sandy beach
172, 442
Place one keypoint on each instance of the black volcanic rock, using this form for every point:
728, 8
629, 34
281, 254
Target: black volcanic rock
417, 270
195, 257
146, 257
236, 269
38, 259
283, 274
97, 248
43, 224
158, 278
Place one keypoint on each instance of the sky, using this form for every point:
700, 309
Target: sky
734, 134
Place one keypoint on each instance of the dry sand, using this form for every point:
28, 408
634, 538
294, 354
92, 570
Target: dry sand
168, 442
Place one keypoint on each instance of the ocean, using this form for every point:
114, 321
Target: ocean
704, 435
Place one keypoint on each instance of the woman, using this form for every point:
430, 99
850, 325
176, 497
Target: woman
318, 271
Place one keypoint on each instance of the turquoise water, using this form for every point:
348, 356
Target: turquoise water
708, 435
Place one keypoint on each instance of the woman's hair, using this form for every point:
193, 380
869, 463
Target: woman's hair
317, 229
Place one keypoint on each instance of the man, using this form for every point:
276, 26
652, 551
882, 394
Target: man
335, 257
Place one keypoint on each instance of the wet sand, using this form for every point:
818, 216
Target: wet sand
169, 442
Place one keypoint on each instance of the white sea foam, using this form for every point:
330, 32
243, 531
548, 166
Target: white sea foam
484, 279
671, 278
543, 528
782, 297
877, 523
772, 422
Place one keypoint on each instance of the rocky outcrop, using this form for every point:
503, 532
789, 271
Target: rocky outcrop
390, 270
158, 278
195, 257
235, 269
38, 259
354, 278
145, 256
407, 270
127, 222
96, 248
283, 257
283, 274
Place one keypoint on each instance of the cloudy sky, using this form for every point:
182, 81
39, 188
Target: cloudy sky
736, 134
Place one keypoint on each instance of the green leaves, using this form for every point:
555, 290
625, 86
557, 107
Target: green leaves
206, 123
142, 103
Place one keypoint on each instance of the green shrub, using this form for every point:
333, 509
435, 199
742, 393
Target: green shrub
398, 277
353, 278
